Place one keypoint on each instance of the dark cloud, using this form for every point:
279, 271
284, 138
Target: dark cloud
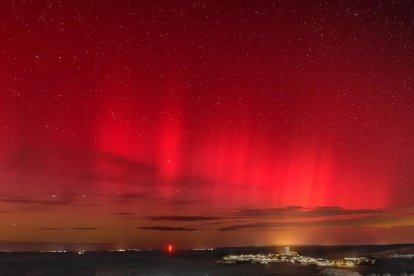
270, 212
184, 218
167, 228
212, 223
298, 216
283, 225
134, 196
125, 163
78, 167
301, 212
126, 215
63, 228
36, 201
337, 211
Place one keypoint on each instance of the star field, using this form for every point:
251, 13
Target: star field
138, 123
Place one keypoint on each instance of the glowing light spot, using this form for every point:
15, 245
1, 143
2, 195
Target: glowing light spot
170, 248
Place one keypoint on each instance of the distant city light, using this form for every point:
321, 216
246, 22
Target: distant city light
294, 258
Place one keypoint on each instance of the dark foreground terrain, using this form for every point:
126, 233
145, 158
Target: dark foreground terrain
391, 259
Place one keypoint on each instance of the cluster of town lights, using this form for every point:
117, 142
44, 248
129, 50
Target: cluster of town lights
294, 258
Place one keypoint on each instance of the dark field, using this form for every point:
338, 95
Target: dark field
200, 262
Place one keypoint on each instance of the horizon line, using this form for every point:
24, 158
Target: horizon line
120, 250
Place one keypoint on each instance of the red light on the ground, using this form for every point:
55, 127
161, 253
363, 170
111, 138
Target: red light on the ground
170, 248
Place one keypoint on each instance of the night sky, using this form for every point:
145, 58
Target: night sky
205, 123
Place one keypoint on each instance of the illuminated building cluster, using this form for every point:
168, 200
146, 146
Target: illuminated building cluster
294, 258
